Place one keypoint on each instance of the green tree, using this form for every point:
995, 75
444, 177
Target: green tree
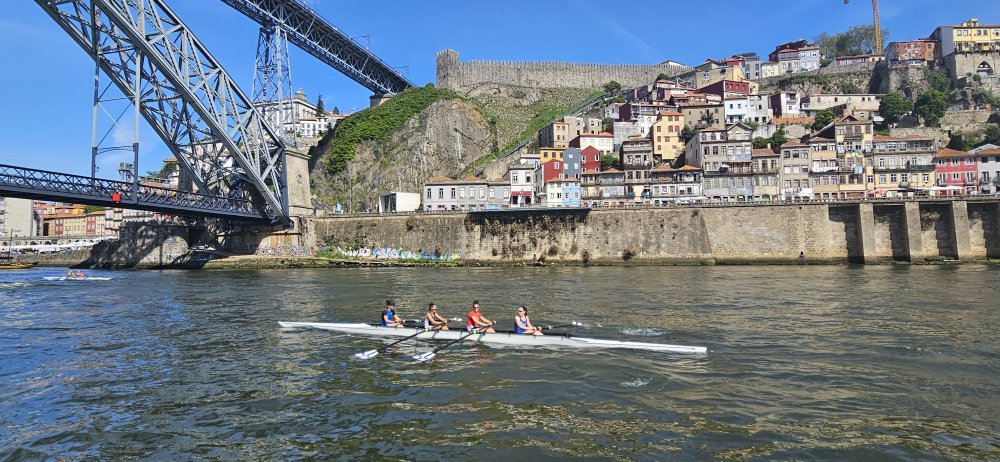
320, 110
931, 106
662, 76
938, 80
687, 133
858, 40
608, 124
823, 118
779, 138
992, 134
613, 88
336, 110
608, 161
760, 142
93, 208
894, 106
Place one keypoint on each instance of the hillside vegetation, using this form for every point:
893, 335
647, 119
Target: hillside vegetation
379, 123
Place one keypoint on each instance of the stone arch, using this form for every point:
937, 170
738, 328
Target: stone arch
984, 69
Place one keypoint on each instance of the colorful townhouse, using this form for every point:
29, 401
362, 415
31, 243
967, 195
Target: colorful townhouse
668, 185
591, 158
901, 166
989, 168
794, 177
603, 142
522, 187
603, 188
957, 172
471, 194
797, 56
919, 51
666, 136
968, 48
636, 159
766, 170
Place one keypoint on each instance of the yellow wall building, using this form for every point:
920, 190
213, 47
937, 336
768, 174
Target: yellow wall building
666, 136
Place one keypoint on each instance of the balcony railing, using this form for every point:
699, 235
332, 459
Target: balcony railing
908, 167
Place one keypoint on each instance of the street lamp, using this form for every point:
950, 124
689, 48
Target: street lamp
368, 40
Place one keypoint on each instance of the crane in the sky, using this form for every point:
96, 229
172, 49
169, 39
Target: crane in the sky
878, 28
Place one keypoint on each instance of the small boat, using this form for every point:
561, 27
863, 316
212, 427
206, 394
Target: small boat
75, 278
498, 338
8, 261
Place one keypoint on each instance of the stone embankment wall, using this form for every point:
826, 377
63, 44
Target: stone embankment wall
736, 234
455, 75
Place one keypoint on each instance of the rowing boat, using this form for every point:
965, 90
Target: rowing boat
498, 338
84, 278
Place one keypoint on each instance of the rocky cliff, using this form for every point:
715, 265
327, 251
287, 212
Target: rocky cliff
440, 140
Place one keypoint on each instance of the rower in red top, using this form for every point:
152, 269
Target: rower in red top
476, 321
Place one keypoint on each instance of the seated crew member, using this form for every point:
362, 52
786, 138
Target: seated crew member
475, 320
433, 320
522, 324
389, 316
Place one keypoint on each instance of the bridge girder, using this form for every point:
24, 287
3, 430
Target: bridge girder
316, 36
189, 100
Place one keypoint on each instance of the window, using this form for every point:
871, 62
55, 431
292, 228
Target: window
482, 192
428, 193
955, 176
882, 179
556, 165
514, 177
440, 193
452, 193
870, 179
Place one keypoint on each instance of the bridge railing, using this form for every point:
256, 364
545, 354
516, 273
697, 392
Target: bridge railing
82, 189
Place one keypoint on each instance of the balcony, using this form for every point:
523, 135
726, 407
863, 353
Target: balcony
907, 168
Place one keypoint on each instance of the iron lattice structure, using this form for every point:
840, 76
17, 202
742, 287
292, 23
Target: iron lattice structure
40, 184
312, 33
272, 84
218, 137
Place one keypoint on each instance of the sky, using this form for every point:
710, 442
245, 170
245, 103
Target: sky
46, 90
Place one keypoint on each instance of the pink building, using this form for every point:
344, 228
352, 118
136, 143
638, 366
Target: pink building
957, 171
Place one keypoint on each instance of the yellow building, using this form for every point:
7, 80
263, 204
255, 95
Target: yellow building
555, 134
549, 153
666, 136
968, 37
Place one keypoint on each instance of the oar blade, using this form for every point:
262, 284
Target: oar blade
424, 357
367, 354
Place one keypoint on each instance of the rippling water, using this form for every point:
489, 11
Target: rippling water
805, 362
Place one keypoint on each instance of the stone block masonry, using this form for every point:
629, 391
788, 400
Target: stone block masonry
458, 76
785, 233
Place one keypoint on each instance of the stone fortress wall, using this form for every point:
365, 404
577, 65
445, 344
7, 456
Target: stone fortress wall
458, 76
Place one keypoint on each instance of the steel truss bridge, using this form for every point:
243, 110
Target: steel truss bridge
222, 143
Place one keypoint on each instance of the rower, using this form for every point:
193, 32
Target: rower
522, 324
433, 320
475, 320
389, 316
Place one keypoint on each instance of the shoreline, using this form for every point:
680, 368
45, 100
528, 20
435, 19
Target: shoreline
235, 262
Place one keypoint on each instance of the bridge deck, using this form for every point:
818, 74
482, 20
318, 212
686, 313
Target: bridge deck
44, 185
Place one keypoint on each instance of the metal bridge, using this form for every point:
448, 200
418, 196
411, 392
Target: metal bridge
232, 155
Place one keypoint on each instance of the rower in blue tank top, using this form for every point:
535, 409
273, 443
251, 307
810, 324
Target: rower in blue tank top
389, 318
522, 325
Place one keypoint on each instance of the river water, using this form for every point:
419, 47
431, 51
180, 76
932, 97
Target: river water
804, 362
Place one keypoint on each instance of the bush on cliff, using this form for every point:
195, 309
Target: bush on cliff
379, 123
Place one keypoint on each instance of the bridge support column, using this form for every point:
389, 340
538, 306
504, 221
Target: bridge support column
866, 232
299, 188
959, 227
914, 240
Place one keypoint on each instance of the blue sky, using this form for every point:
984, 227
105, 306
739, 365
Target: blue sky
47, 87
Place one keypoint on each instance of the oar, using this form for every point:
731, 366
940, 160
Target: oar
373, 353
573, 324
424, 357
